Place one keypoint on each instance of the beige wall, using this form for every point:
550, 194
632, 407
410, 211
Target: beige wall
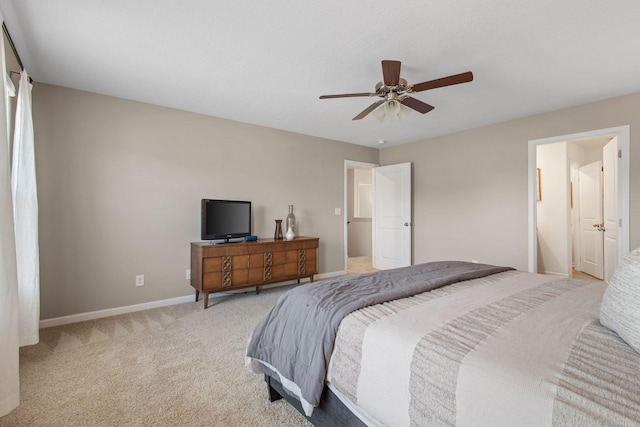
470, 188
120, 184
553, 227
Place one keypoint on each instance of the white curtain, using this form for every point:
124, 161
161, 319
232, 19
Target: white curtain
25, 216
19, 253
9, 381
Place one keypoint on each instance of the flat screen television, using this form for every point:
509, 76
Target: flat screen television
225, 219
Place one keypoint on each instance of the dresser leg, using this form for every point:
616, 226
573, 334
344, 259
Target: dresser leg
206, 300
257, 290
197, 295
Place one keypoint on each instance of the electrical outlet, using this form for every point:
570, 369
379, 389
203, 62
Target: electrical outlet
188, 274
140, 280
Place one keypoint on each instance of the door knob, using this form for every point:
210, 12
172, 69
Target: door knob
406, 224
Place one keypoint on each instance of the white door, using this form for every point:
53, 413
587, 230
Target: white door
610, 206
591, 236
392, 216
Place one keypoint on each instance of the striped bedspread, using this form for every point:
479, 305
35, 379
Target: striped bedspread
511, 349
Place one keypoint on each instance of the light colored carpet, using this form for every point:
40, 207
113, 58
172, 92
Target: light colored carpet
172, 366
359, 265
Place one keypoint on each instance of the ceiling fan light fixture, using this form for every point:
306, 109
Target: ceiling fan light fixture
380, 114
404, 112
392, 107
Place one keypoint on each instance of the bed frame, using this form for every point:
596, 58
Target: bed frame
331, 412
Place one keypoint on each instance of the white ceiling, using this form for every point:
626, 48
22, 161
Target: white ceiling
266, 63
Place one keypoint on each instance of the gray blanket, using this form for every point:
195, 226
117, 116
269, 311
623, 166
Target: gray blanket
296, 336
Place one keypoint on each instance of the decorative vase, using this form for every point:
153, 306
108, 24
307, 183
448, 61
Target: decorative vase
290, 234
291, 222
278, 233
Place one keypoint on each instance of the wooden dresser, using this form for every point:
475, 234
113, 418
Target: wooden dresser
230, 266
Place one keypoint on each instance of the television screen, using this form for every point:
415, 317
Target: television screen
225, 219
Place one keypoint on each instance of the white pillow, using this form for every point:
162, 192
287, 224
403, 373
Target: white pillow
620, 308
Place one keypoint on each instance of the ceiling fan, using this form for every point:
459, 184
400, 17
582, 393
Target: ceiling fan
395, 91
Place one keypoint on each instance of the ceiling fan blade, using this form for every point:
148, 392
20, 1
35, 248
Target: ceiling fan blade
369, 109
415, 104
347, 95
445, 81
391, 72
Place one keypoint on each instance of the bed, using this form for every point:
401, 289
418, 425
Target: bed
454, 343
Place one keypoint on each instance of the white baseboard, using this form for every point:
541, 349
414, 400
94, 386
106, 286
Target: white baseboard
329, 275
555, 273
81, 317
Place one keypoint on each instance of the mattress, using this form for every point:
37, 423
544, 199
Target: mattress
512, 348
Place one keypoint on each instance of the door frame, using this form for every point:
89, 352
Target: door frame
350, 164
622, 132
609, 186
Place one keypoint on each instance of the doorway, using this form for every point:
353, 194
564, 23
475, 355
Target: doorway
556, 242
581, 197
358, 205
377, 207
